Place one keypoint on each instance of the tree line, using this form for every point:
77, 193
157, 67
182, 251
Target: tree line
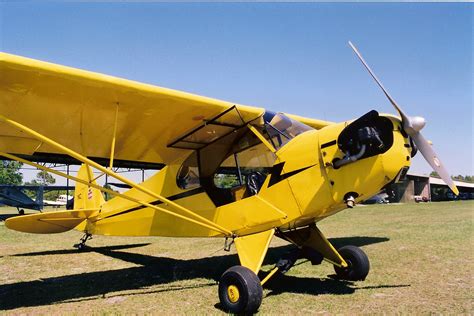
459, 177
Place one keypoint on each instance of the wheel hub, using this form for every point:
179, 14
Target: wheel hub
233, 293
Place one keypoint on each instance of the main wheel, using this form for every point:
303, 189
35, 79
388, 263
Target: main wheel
240, 290
358, 262
21, 212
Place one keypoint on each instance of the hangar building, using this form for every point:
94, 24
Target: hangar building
416, 187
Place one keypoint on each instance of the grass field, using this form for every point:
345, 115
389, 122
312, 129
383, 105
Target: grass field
421, 262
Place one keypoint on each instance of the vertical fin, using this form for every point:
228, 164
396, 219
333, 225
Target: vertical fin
86, 197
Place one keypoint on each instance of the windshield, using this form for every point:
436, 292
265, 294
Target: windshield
281, 128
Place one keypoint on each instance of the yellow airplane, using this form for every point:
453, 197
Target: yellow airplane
229, 171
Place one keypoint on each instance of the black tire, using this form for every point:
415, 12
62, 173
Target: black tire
358, 262
240, 290
21, 212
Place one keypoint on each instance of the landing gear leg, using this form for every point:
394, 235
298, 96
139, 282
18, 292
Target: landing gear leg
82, 244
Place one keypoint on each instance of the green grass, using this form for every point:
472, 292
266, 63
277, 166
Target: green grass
421, 262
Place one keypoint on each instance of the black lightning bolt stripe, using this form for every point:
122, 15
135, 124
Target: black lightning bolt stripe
276, 176
157, 202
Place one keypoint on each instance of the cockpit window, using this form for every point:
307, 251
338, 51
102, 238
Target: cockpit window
188, 175
250, 156
235, 165
234, 170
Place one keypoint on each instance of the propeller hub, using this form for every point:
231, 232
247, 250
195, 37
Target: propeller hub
414, 124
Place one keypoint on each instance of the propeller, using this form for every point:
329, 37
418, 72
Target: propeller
412, 125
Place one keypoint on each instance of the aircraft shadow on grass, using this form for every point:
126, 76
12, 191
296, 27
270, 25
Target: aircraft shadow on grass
160, 270
4, 217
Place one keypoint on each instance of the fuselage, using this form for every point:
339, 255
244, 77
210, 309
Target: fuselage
303, 185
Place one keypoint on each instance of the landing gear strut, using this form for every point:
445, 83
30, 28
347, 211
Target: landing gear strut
82, 244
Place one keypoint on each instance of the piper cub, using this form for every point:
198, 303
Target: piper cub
227, 171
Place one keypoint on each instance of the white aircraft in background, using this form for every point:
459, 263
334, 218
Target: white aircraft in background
60, 201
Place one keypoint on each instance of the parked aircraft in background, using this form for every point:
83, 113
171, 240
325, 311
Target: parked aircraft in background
60, 201
15, 196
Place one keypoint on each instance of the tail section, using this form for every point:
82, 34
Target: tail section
87, 203
86, 197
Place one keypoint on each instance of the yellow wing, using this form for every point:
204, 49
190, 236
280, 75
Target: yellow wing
314, 123
79, 108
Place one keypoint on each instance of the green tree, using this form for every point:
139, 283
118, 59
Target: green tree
463, 178
107, 195
10, 172
226, 181
44, 178
459, 177
31, 193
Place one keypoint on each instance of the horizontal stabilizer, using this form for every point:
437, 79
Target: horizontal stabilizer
48, 223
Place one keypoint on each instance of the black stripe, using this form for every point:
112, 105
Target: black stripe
276, 176
334, 142
158, 202
124, 212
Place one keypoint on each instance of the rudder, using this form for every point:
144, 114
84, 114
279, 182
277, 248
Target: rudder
86, 197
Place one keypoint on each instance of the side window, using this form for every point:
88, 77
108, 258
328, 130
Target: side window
226, 180
188, 175
255, 160
227, 176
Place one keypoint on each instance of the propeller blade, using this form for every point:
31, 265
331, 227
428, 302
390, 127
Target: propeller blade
427, 151
379, 83
412, 126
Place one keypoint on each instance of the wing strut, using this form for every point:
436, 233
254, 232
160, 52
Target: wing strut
72, 153
262, 138
112, 147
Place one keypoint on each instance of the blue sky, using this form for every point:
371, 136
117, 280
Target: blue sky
290, 57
